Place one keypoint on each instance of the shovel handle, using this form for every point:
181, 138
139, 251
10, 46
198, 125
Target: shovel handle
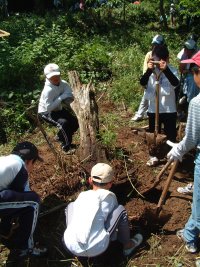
165, 167
168, 182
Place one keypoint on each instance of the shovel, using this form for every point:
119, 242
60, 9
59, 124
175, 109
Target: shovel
166, 187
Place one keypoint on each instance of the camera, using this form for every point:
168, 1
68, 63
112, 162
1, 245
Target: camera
156, 62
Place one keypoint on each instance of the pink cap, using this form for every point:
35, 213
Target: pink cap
195, 59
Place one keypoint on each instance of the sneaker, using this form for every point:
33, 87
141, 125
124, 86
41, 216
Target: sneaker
38, 252
186, 190
136, 118
182, 100
137, 240
190, 247
153, 161
68, 149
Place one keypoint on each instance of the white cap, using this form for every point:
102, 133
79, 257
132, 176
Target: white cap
158, 39
190, 44
102, 173
51, 70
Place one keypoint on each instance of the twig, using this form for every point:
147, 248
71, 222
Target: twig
131, 181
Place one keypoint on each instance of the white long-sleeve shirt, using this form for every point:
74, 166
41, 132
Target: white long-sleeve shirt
86, 234
52, 96
167, 99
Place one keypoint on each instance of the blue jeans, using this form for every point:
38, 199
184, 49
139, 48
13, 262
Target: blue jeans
192, 227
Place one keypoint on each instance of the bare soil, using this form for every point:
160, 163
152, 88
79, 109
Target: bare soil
133, 180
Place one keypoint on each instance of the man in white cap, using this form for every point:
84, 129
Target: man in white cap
95, 218
143, 107
57, 92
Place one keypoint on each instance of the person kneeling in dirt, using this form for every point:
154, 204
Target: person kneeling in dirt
56, 94
95, 218
159, 71
18, 204
191, 231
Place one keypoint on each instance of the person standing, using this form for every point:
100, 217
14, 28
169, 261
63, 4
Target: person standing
55, 95
158, 66
190, 233
19, 205
143, 107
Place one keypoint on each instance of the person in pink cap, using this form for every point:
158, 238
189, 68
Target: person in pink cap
191, 231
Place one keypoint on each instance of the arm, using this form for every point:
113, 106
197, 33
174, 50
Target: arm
192, 131
145, 77
171, 77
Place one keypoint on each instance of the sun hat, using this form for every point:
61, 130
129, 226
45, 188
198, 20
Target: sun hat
51, 70
190, 44
102, 173
158, 39
195, 59
27, 151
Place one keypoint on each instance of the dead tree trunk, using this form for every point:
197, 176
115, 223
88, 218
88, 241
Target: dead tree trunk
86, 110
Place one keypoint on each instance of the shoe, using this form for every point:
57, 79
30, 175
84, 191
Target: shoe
137, 240
68, 149
182, 100
153, 161
186, 190
17, 254
38, 252
190, 247
136, 118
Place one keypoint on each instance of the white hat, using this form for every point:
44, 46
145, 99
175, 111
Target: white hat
190, 44
51, 70
158, 39
102, 173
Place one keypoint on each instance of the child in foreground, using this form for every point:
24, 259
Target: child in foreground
95, 218
191, 231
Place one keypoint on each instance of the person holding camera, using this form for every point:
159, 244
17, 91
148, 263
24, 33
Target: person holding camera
168, 80
143, 107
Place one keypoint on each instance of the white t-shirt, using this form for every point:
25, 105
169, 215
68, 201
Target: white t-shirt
86, 234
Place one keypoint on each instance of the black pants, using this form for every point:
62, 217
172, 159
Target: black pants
169, 122
65, 121
20, 208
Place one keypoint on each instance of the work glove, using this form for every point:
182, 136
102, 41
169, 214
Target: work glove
61, 97
175, 153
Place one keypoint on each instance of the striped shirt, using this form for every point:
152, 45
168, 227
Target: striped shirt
192, 131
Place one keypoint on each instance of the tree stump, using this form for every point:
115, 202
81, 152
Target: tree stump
86, 110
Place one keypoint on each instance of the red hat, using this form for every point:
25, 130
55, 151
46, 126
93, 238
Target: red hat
195, 59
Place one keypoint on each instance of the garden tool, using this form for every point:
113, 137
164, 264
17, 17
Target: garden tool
167, 184
158, 177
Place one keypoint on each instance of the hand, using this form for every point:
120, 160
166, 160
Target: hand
150, 64
175, 153
163, 65
61, 97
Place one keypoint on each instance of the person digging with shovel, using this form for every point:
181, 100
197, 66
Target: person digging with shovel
190, 233
160, 81
95, 218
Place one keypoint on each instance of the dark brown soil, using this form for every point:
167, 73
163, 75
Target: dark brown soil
161, 247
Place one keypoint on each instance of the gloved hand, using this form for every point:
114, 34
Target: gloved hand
61, 97
175, 153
